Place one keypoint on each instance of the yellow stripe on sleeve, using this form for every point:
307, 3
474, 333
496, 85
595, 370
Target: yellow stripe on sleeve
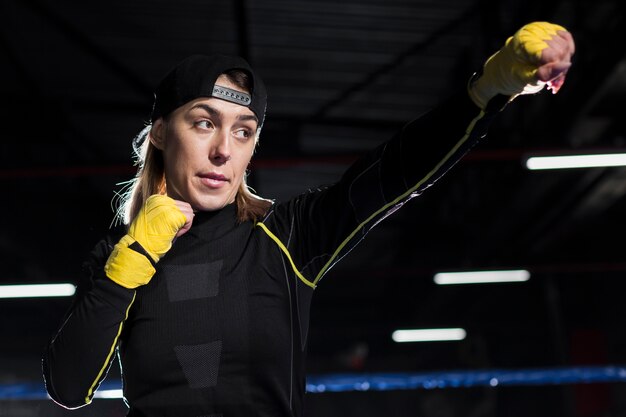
108, 359
401, 197
286, 251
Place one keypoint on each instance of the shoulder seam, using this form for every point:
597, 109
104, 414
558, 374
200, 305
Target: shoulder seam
286, 252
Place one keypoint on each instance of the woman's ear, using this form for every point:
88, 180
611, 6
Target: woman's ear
157, 134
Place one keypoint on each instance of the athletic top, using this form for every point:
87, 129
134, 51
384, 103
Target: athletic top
221, 329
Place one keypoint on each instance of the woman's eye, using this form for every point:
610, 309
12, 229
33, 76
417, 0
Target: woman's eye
243, 134
204, 124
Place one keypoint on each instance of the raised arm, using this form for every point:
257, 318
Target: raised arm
319, 228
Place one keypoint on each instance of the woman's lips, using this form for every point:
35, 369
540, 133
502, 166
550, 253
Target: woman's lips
213, 180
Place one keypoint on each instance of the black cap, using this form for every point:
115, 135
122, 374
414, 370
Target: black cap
195, 77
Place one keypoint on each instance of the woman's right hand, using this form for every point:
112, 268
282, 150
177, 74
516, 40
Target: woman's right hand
149, 237
186, 209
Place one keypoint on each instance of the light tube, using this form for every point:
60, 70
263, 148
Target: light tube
109, 394
428, 335
37, 290
576, 161
481, 277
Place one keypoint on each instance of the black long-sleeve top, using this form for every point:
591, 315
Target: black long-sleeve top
221, 329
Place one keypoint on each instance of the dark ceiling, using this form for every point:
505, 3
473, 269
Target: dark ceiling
342, 77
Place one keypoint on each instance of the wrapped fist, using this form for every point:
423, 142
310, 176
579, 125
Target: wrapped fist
150, 236
537, 55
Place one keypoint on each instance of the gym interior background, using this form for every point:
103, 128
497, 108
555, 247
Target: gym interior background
342, 77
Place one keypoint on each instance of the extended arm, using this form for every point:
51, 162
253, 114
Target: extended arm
319, 228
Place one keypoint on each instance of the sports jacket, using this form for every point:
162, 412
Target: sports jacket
221, 329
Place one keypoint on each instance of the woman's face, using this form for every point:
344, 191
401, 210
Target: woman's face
207, 145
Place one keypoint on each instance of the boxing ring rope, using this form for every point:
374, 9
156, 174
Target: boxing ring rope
466, 379
395, 381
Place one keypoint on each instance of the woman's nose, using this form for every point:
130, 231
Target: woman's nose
220, 151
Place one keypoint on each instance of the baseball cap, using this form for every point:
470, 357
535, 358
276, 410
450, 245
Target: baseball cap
195, 77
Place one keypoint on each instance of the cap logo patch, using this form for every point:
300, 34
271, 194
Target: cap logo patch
231, 95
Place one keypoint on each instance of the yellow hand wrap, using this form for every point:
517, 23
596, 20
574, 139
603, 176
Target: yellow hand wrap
154, 229
513, 69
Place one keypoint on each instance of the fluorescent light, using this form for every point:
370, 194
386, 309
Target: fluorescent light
481, 277
576, 161
37, 290
109, 394
428, 335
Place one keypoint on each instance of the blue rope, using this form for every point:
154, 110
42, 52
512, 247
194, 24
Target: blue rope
402, 381
465, 379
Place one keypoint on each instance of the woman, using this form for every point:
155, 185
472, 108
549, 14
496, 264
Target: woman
205, 296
